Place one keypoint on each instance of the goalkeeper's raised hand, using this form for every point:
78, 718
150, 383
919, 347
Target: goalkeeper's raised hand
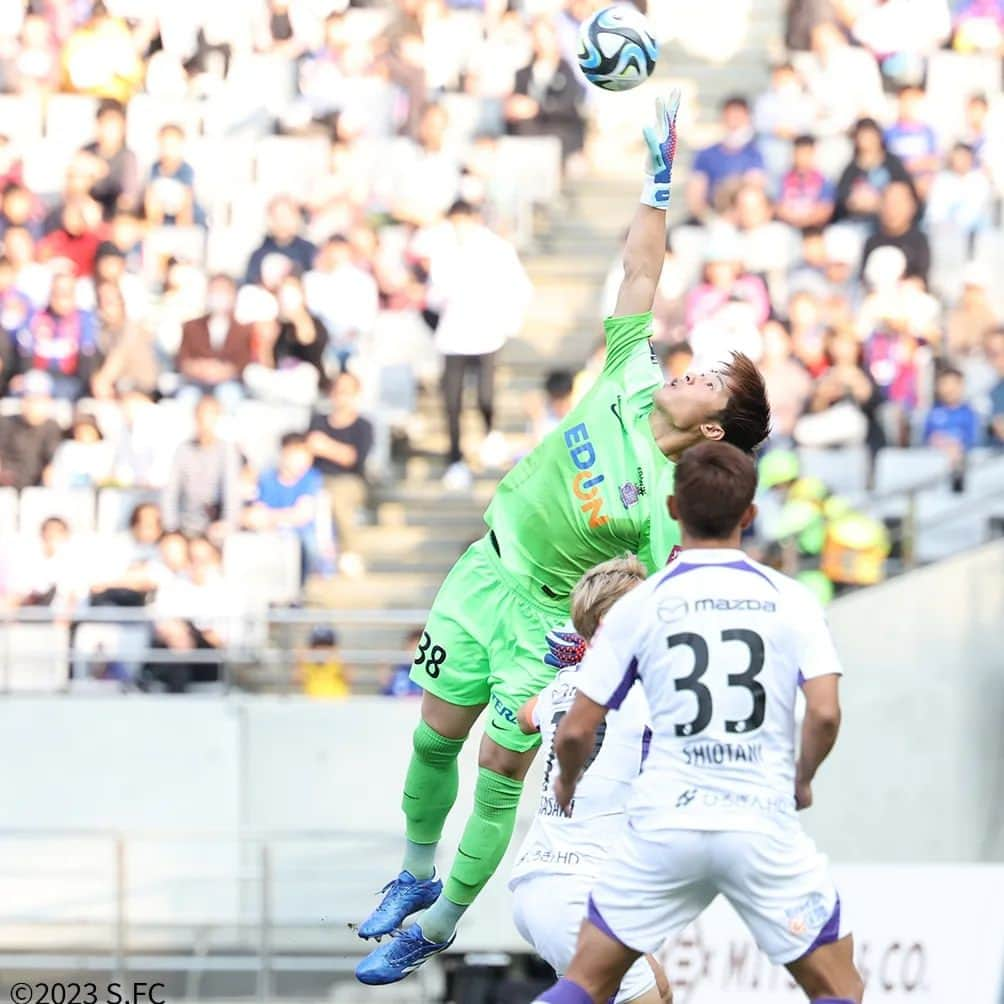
661, 143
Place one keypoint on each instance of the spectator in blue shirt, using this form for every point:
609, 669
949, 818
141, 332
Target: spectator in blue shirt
737, 156
952, 425
397, 681
170, 195
994, 343
289, 501
282, 241
912, 140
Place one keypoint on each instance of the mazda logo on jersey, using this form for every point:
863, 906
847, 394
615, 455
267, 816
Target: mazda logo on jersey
585, 484
671, 609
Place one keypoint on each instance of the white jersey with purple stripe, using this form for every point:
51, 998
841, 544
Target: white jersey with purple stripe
721, 645
578, 844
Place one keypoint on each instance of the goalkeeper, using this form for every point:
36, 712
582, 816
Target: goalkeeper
596, 487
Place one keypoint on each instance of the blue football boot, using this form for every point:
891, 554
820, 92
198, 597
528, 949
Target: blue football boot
403, 896
399, 957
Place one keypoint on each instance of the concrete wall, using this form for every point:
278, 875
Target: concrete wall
918, 774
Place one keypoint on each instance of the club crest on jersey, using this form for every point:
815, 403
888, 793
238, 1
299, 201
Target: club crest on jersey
629, 494
585, 484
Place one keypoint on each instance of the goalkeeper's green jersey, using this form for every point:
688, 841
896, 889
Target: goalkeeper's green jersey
596, 486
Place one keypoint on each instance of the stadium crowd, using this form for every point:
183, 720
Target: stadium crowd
236, 237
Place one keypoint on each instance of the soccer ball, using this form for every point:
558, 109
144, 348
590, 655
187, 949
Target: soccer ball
616, 48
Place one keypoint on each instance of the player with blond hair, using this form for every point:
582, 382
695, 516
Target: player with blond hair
562, 856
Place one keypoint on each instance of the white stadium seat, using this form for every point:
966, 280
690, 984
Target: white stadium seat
263, 567
843, 471
34, 657
75, 505
946, 524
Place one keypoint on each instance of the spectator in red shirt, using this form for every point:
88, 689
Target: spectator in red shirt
76, 239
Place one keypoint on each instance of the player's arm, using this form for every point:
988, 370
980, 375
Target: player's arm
645, 249
573, 744
819, 732
527, 717
821, 672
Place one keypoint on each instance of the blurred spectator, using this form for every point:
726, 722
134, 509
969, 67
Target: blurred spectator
288, 501
724, 282
75, 238
397, 681
995, 355
871, 170
100, 57
290, 370
54, 574
960, 198
130, 361
781, 113
546, 95
843, 408
341, 442
802, 17
897, 227
978, 26
195, 613
118, 182
478, 294
974, 135
170, 192
60, 341
215, 348
129, 563
343, 295
546, 414
765, 245
952, 425
31, 278
323, 674
912, 140
902, 33
788, 384
20, 209
36, 67
28, 441
202, 494
842, 78
973, 315
144, 455
423, 178
678, 360
808, 333
84, 460
735, 156
807, 197
283, 240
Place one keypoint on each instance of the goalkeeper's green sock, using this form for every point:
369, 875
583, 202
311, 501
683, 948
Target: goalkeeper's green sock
482, 847
430, 789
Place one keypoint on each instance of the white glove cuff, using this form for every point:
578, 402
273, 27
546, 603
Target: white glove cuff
655, 194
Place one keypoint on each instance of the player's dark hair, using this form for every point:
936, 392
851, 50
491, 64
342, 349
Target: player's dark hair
713, 486
746, 418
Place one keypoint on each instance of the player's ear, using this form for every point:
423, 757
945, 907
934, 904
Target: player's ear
748, 516
673, 511
712, 431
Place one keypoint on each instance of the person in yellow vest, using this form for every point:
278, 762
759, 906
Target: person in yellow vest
323, 674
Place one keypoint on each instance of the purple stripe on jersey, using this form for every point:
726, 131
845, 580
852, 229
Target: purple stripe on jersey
565, 992
830, 931
646, 743
682, 567
596, 919
801, 678
627, 682
832, 1000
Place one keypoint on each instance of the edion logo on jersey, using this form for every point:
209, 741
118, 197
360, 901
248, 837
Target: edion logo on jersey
586, 484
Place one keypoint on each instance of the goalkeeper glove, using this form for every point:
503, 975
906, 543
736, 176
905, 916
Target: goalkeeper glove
661, 143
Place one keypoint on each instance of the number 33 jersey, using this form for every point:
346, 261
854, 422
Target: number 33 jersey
577, 844
721, 646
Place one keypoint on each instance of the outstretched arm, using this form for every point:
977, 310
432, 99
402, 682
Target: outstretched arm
645, 249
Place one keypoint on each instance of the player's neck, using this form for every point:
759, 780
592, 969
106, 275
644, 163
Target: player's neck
690, 543
670, 441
